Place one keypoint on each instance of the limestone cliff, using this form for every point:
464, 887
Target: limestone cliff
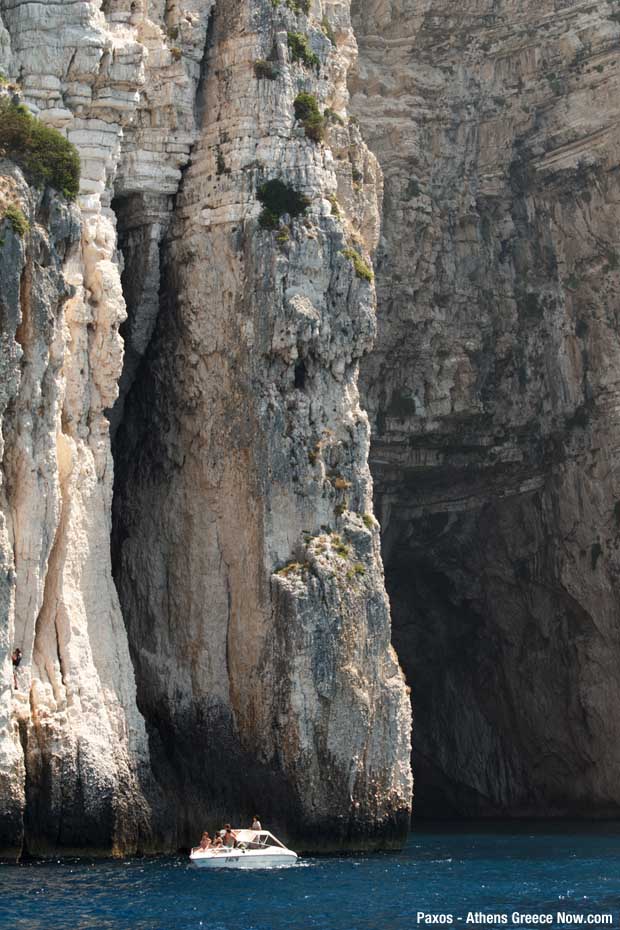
493, 391
75, 777
247, 555
208, 301
71, 740
248, 560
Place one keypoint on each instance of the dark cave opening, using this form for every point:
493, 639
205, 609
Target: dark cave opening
436, 639
498, 654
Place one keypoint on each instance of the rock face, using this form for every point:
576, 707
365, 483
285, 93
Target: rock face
72, 743
227, 211
77, 779
247, 556
493, 392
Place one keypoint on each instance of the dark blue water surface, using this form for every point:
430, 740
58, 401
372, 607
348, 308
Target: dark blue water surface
568, 870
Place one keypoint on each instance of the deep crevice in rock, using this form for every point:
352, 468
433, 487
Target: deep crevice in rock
142, 220
300, 376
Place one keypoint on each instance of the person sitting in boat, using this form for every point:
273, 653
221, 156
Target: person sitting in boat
256, 823
205, 843
217, 842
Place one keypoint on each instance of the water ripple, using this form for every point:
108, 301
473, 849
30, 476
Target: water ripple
450, 872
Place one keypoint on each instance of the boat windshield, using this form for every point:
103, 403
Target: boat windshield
258, 839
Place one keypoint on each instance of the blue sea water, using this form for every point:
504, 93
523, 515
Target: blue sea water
440, 873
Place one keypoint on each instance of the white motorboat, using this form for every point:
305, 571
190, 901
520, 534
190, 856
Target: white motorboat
255, 849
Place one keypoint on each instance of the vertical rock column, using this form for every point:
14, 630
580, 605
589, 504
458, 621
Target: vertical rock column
119, 80
70, 782
83, 752
249, 567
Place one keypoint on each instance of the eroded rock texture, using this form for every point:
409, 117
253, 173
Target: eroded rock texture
74, 763
247, 554
248, 560
494, 391
76, 775
71, 740
73, 745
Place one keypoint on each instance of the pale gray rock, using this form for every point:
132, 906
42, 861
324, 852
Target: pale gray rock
257, 399
78, 778
248, 560
71, 740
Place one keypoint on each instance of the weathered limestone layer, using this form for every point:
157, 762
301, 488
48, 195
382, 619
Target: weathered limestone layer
494, 391
73, 776
75, 779
247, 556
247, 399
71, 740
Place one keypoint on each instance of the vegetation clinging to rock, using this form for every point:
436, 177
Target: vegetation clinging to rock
42, 152
340, 548
327, 29
292, 568
16, 218
301, 51
308, 113
333, 200
362, 270
279, 198
265, 69
334, 117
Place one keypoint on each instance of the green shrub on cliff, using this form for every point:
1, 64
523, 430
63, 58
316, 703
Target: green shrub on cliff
264, 69
277, 199
301, 51
16, 218
308, 113
340, 548
331, 116
362, 270
40, 151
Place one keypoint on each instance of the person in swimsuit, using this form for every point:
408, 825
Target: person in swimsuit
205, 843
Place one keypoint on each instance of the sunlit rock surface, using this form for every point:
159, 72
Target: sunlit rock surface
247, 557
74, 760
241, 443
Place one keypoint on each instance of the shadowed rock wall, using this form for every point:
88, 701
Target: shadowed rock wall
493, 392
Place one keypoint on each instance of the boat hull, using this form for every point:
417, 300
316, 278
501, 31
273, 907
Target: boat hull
244, 859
